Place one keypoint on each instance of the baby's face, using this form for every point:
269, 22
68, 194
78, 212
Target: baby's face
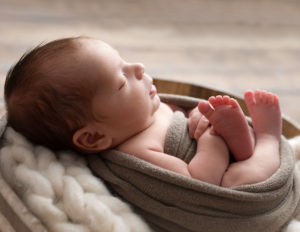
126, 99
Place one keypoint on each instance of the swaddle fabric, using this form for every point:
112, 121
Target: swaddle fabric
171, 202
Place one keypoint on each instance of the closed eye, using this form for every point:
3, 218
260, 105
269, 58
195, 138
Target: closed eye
122, 85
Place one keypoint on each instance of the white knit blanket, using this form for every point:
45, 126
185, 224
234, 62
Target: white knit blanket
63, 193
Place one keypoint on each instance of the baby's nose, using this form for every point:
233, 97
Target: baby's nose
139, 70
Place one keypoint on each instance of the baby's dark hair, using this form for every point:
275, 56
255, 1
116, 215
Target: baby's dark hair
43, 103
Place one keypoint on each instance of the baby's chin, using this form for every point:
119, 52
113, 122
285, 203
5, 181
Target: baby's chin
156, 103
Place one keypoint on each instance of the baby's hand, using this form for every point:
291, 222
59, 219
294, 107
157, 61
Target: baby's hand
197, 123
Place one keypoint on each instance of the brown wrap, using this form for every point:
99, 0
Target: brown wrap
174, 203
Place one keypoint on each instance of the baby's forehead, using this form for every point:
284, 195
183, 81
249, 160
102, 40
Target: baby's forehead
94, 46
89, 60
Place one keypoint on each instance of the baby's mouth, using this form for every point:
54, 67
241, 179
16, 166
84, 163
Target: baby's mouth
153, 91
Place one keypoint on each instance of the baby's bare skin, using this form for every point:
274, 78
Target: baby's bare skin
230, 123
267, 123
118, 107
132, 119
211, 162
149, 143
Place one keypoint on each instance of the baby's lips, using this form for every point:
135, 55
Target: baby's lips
153, 90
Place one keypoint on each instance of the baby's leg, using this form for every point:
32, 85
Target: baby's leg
211, 159
228, 120
266, 119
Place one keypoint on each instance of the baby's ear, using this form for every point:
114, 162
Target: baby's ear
89, 139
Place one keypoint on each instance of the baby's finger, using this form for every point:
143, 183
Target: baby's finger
192, 123
213, 131
201, 127
193, 119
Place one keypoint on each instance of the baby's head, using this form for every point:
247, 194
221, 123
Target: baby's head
78, 93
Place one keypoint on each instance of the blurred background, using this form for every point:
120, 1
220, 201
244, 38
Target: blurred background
232, 45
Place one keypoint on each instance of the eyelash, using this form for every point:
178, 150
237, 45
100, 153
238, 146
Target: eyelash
124, 83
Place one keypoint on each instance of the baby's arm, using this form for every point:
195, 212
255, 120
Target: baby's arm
209, 163
212, 157
197, 122
165, 161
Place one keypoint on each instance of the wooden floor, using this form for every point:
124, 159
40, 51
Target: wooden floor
230, 45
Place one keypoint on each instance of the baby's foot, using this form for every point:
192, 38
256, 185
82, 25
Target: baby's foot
228, 120
265, 112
